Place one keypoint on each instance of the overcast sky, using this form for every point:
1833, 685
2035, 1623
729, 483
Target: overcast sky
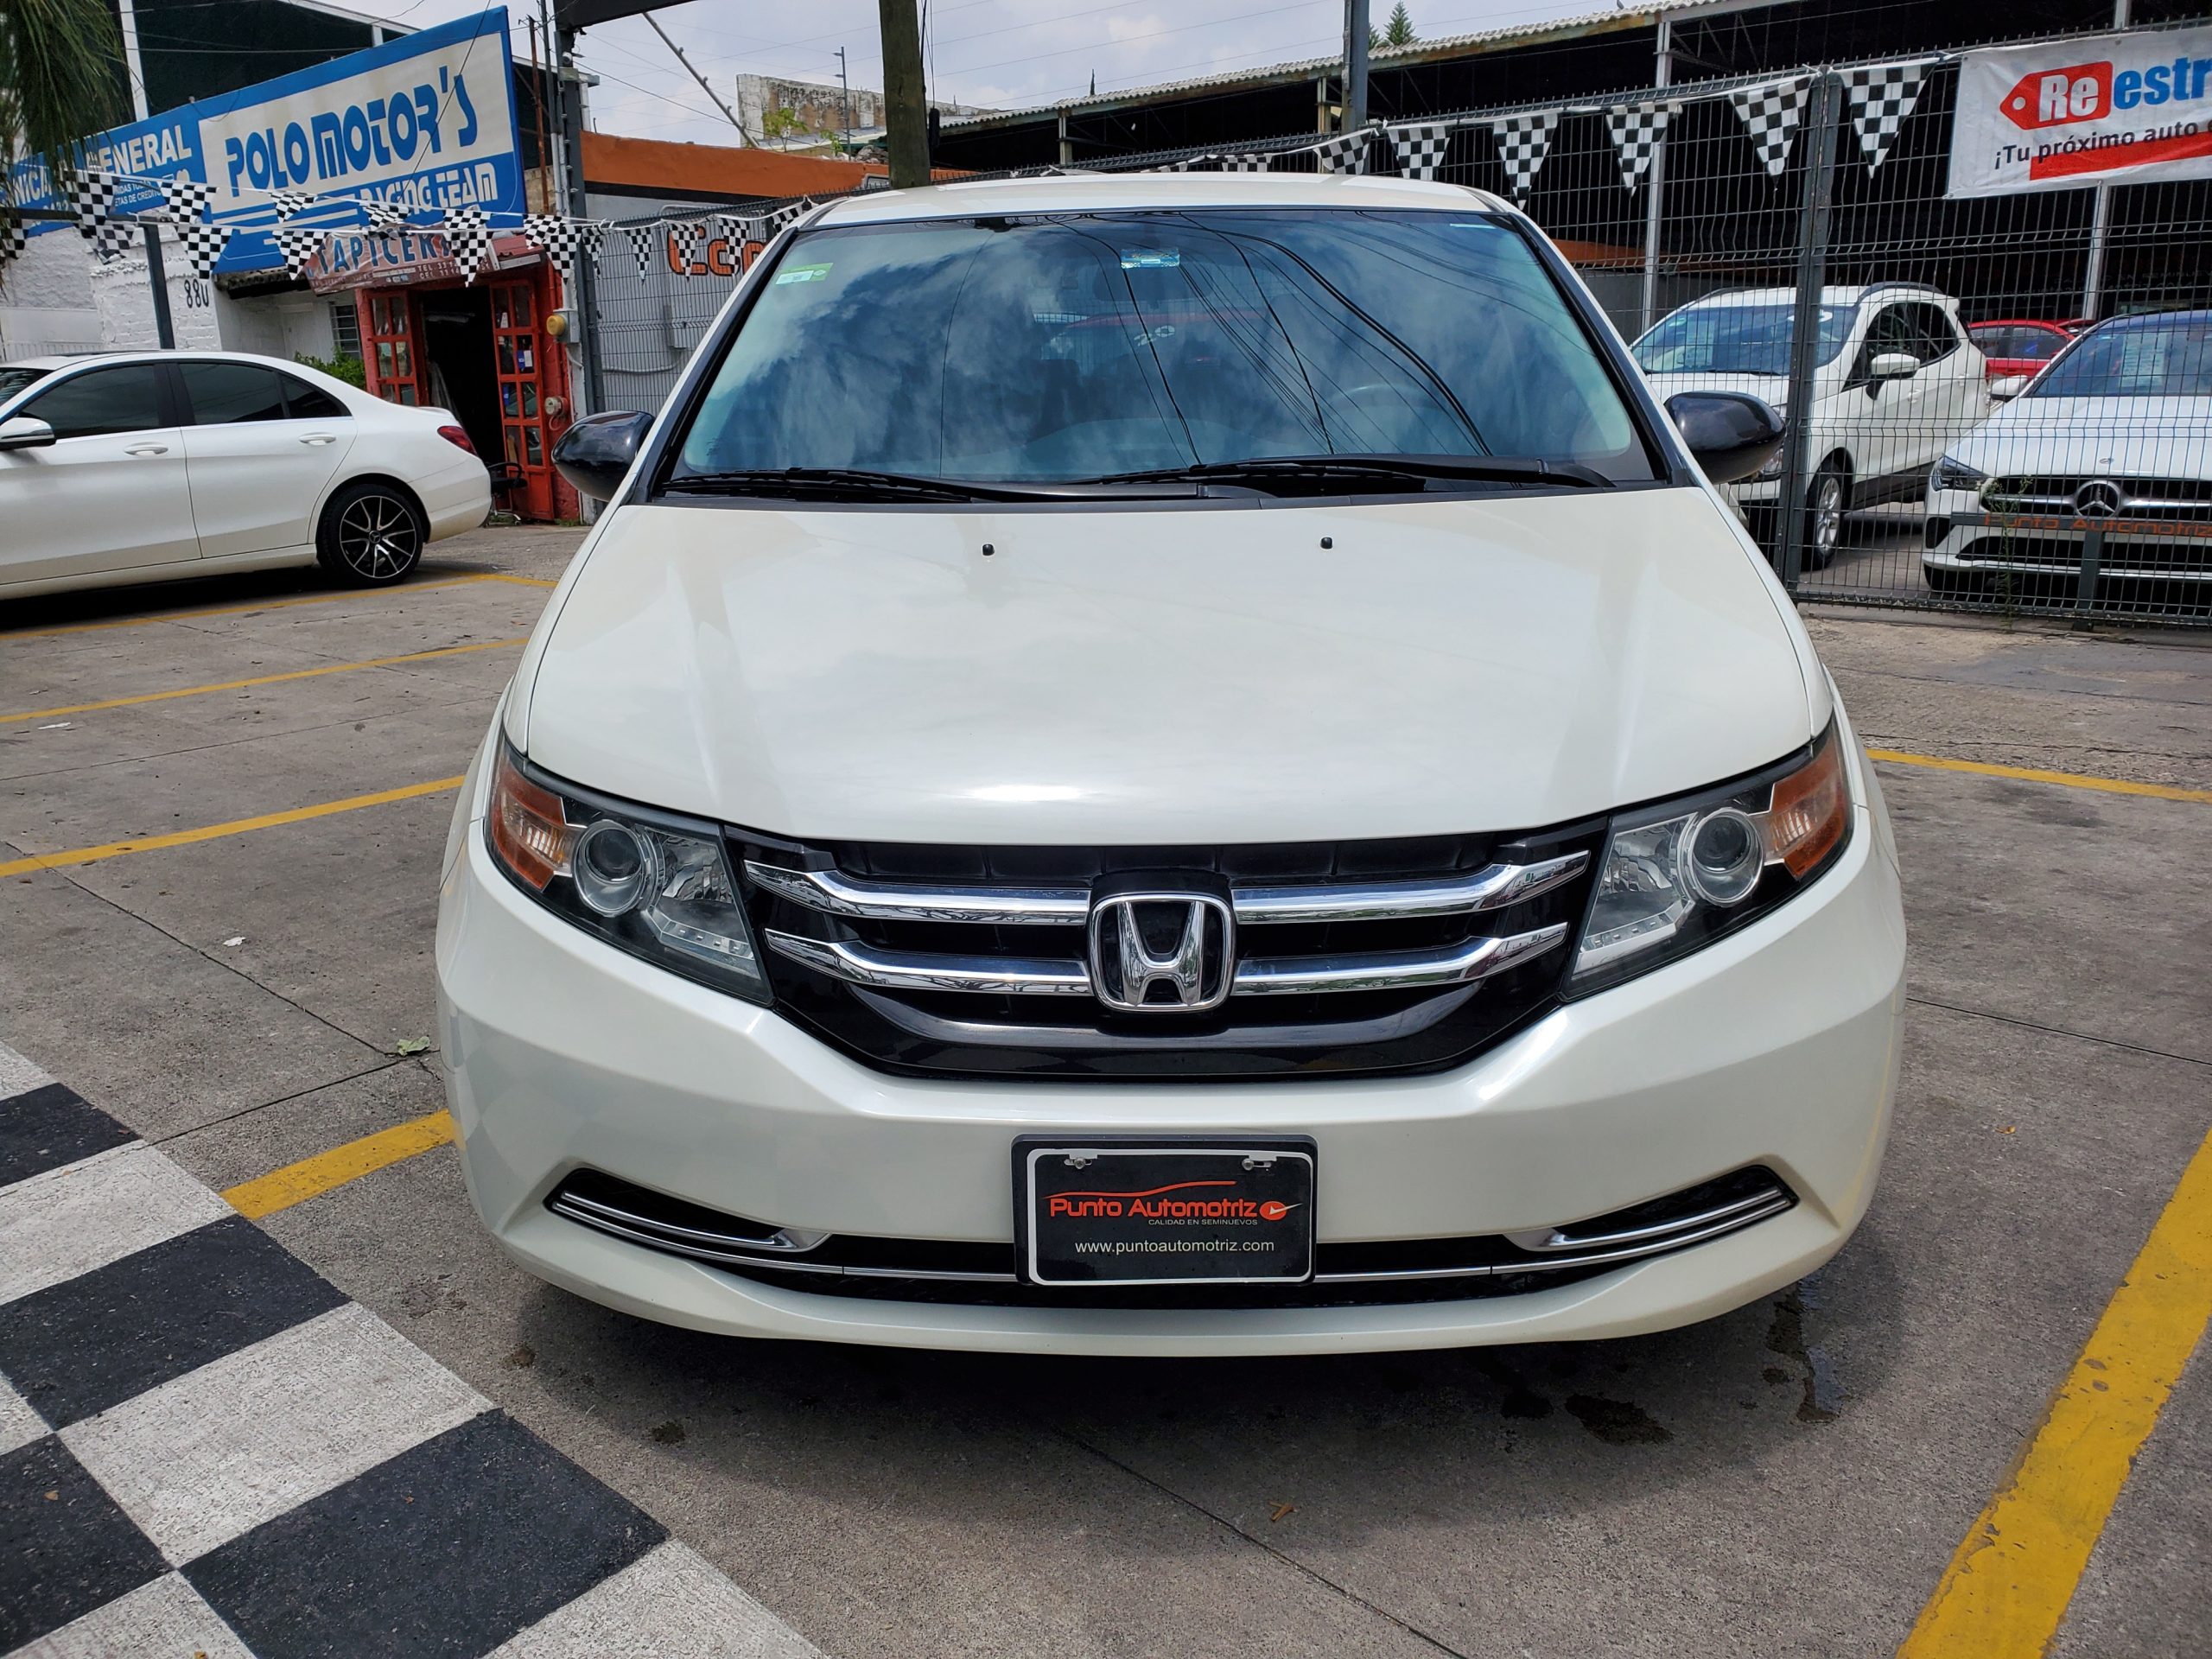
1004, 54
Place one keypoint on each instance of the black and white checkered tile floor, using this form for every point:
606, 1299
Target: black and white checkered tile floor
205, 1449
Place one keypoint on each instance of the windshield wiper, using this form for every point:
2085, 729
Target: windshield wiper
1271, 471
866, 484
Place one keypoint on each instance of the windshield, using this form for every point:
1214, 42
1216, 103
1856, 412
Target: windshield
15, 377
2156, 357
1072, 347
1729, 336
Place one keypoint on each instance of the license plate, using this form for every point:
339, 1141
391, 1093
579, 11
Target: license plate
1164, 1211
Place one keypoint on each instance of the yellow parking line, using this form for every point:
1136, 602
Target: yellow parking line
297, 1183
2034, 775
527, 581
217, 831
2008, 1586
259, 679
265, 605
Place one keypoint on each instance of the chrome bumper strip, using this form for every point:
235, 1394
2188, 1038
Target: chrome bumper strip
1491, 887
899, 970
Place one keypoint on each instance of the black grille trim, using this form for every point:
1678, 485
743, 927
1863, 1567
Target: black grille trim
1073, 1038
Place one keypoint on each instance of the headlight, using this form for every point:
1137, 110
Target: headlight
1952, 474
654, 885
1679, 875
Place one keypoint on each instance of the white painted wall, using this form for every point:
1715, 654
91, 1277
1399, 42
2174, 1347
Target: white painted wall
59, 297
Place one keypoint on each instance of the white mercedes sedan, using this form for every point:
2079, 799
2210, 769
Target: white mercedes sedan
2116, 433
149, 467
1170, 765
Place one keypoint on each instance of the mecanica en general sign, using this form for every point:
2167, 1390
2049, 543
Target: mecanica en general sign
425, 122
2111, 109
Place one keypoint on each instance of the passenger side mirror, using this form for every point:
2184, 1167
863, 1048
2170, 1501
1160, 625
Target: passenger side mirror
25, 432
1892, 365
1731, 434
2006, 386
594, 454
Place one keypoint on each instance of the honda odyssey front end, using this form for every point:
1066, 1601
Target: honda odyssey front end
1169, 766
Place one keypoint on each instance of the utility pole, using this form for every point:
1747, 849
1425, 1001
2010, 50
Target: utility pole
571, 78
847, 86
1355, 65
906, 124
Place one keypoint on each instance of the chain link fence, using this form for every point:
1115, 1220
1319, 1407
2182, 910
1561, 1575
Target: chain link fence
1790, 235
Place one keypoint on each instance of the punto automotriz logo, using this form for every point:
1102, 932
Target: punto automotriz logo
1161, 1203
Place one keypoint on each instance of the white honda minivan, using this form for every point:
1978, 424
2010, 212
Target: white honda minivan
1170, 765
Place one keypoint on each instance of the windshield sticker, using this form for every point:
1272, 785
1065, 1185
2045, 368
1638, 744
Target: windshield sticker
1151, 258
803, 274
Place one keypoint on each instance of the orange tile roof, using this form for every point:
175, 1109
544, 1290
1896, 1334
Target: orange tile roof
656, 165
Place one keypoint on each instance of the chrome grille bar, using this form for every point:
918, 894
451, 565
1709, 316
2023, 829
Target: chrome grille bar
901, 971
1491, 887
1393, 970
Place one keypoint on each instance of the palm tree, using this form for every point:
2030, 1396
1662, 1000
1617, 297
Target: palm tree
59, 81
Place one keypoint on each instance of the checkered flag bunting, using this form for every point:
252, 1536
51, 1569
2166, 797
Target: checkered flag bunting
469, 238
1244, 162
298, 244
291, 203
114, 238
93, 194
187, 199
1636, 129
560, 237
203, 245
1522, 141
1419, 147
1881, 98
642, 237
383, 217
1770, 115
690, 234
13, 241
1344, 152
736, 229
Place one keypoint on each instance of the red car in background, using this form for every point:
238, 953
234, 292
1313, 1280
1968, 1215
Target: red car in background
2018, 346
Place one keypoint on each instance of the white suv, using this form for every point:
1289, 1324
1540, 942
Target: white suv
1897, 382
1170, 765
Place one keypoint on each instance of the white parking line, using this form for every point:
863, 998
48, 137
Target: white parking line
197, 1462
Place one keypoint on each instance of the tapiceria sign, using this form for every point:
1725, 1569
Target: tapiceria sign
2115, 109
423, 123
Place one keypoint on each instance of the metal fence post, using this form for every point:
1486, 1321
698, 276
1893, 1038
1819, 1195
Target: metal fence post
2085, 595
157, 278
1805, 322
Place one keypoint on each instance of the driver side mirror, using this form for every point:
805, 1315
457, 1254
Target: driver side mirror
1889, 365
25, 432
1731, 434
594, 454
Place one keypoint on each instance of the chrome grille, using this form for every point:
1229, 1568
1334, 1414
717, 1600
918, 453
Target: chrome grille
1347, 957
2186, 498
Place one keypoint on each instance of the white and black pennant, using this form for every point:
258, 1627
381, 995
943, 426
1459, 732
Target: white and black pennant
384, 217
187, 199
1344, 152
560, 237
1636, 130
93, 194
642, 240
469, 238
1770, 115
1522, 141
1881, 98
291, 203
203, 245
13, 240
1421, 146
298, 244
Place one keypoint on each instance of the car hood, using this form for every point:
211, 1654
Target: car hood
2140, 438
1772, 388
1139, 676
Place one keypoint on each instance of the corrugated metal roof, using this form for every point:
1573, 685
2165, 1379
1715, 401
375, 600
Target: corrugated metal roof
1385, 57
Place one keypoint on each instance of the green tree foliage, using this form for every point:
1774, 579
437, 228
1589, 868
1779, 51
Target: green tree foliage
1399, 31
59, 79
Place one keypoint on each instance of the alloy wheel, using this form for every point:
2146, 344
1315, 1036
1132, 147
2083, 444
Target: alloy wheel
1827, 517
377, 538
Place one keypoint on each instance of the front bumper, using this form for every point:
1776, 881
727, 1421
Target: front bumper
1777, 1046
2180, 550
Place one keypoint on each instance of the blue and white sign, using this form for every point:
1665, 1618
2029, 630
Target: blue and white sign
425, 122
